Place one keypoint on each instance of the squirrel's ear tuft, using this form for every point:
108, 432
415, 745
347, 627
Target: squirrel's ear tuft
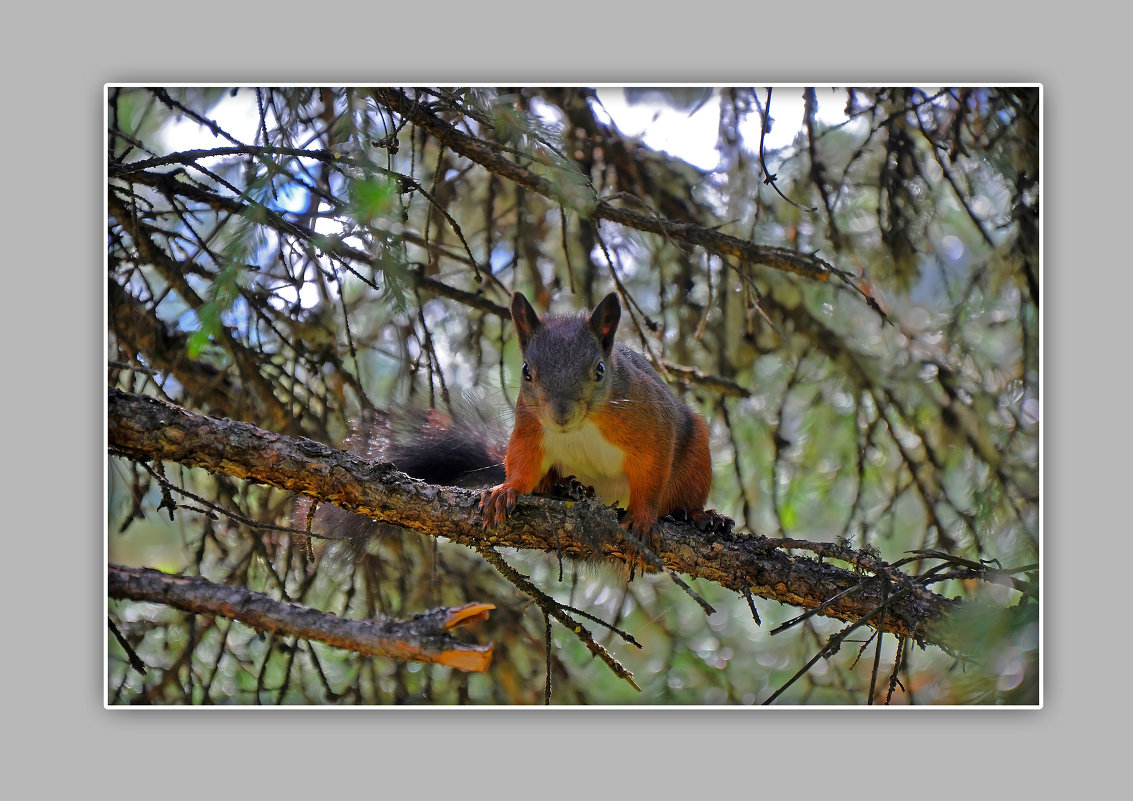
525, 318
604, 320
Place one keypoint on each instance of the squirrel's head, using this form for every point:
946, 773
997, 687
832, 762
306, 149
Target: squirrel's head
566, 360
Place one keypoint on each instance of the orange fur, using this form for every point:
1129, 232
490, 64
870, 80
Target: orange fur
664, 475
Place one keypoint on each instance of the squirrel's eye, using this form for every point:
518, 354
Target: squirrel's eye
599, 371
526, 372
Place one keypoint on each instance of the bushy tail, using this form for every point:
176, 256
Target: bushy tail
464, 449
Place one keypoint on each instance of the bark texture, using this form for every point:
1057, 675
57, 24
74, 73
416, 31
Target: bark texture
422, 638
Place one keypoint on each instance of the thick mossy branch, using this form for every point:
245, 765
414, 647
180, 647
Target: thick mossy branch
142, 427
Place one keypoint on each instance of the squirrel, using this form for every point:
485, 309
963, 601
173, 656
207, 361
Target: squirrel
589, 408
594, 409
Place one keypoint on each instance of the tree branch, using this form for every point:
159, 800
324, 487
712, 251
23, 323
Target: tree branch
141, 427
421, 638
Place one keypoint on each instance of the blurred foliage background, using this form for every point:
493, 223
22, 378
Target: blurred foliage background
298, 257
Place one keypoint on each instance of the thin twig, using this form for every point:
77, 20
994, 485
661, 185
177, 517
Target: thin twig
135, 662
768, 176
551, 608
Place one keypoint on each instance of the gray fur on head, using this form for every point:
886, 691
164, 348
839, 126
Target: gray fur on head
562, 352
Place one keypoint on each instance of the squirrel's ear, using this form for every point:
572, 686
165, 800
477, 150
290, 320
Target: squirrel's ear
525, 318
604, 320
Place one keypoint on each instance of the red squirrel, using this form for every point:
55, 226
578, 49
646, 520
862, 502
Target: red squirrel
595, 409
588, 408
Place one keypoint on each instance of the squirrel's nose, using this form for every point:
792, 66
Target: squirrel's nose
561, 411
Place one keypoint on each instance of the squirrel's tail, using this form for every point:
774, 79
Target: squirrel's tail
462, 449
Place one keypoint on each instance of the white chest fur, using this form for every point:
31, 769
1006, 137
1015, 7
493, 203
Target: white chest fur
585, 454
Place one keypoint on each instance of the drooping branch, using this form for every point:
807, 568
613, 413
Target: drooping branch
175, 273
422, 638
140, 427
147, 340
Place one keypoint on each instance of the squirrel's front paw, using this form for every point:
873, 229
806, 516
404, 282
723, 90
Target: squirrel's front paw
570, 489
496, 502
